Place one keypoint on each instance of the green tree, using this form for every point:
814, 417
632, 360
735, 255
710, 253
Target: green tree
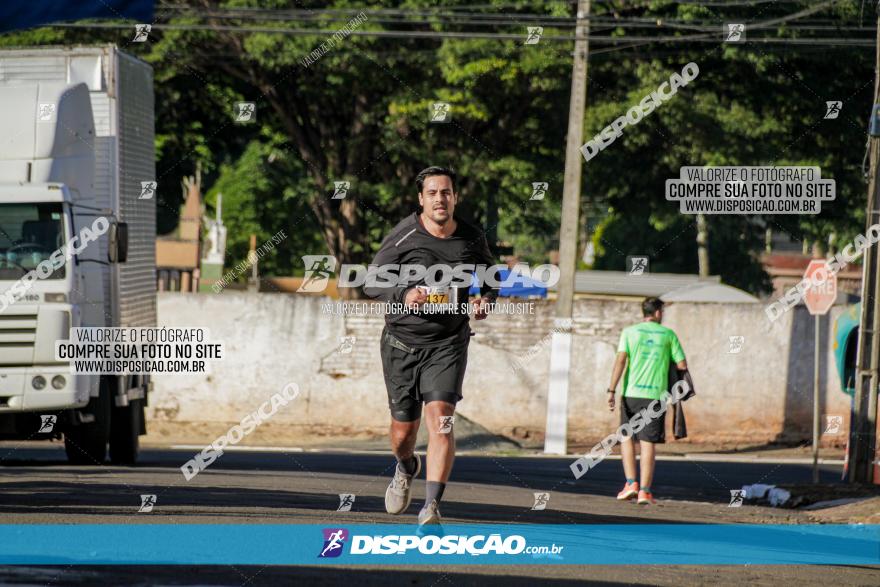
752, 104
361, 113
265, 191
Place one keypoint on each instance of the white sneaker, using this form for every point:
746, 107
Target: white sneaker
430, 514
398, 496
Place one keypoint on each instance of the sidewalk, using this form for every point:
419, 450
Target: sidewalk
470, 437
737, 451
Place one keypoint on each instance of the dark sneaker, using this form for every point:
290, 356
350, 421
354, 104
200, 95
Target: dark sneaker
430, 514
399, 493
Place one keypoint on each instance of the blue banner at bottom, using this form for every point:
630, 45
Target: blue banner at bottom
462, 544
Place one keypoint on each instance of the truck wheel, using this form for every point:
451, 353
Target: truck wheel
125, 427
86, 443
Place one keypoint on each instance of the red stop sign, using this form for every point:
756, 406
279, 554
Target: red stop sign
820, 298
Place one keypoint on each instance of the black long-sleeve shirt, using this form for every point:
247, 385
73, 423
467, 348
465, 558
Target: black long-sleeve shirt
409, 243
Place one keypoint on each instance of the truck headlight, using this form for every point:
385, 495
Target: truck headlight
39, 382
58, 382
56, 297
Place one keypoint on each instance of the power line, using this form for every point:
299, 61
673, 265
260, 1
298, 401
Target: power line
444, 12
376, 14
536, 20
777, 21
421, 53
404, 17
716, 4
304, 13
438, 35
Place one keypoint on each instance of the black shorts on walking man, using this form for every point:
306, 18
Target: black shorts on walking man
424, 347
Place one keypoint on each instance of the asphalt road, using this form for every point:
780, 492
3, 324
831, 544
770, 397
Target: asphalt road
303, 487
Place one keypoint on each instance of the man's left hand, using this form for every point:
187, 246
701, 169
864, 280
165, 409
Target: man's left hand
481, 308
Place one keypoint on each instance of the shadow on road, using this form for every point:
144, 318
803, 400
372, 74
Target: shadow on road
267, 478
90, 498
275, 575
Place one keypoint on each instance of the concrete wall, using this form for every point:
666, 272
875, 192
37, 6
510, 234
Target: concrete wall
761, 394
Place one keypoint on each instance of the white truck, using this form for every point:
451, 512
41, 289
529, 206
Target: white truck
76, 149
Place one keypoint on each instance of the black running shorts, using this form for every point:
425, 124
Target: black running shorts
655, 427
413, 376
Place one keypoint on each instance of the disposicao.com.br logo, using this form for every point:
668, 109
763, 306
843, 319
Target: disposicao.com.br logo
450, 544
334, 541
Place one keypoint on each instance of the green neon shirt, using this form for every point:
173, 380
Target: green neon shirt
649, 347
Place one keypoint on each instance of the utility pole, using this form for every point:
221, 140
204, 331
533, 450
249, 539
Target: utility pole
560, 348
703, 245
254, 281
863, 425
817, 355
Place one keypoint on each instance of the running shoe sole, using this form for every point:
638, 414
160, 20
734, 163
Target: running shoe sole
432, 518
628, 495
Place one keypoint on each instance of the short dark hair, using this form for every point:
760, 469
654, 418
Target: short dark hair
436, 170
651, 305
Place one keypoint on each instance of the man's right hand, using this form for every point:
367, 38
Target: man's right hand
611, 401
415, 298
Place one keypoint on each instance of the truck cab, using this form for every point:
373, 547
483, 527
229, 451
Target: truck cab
36, 221
64, 250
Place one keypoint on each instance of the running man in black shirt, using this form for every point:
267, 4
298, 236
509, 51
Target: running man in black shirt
424, 346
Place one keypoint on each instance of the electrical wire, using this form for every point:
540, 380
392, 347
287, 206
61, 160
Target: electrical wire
568, 23
439, 35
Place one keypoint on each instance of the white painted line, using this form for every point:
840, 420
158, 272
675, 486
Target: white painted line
697, 457
239, 448
708, 458
713, 458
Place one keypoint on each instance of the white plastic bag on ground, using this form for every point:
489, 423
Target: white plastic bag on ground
779, 497
756, 491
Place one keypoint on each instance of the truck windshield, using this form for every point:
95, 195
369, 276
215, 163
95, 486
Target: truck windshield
29, 234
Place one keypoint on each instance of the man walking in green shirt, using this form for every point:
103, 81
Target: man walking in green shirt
643, 357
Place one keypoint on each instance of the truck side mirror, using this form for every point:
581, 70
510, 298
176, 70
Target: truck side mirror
117, 249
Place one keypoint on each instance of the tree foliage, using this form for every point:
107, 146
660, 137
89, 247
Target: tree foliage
361, 113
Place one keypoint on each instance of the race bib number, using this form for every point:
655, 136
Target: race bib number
440, 294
